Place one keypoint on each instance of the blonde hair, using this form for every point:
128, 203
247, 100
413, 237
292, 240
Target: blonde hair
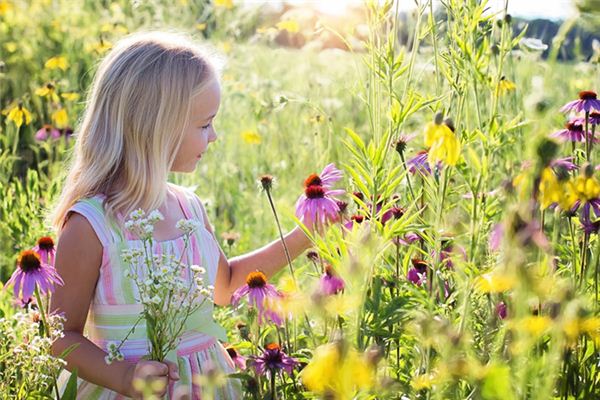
133, 125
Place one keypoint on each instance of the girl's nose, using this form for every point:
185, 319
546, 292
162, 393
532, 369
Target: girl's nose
213, 136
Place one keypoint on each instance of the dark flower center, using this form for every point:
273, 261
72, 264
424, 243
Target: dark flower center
329, 271
359, 195
419, 265
232, 353
29, 261
314, 192
587, 95
358, 218
574, 126
595, 114
342, 205
47, 128
46, 243
266, 181
273, 346
256, 279
313, 179
397, 212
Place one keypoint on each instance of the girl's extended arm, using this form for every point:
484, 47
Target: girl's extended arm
78, 259
269, 259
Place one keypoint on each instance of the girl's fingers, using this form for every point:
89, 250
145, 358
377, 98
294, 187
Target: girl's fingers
173, 370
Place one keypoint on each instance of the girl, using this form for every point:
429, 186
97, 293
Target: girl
150, 111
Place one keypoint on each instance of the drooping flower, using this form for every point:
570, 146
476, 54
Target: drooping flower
418, 273
48, 90
394, 212
501, 310
583, 193
318, 203
587, 102
565, 163
31, 271
550, 189
60, 118
594, 117
505, 86
573, 131
259, 293
58, 62
47, 131
45, 248
445, 149
419, 163
273, 360
335, 372
18, 114
237, 358
331, 283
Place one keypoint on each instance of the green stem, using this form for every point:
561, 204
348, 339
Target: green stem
285, 248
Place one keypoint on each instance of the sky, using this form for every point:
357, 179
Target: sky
549, 9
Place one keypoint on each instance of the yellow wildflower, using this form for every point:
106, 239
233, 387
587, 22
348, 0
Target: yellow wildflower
5, 6
336, 372
505, 86
226, 47
70, 96
445, 148
290, 25
11, 47
58, 62
18, 115
228, 4
48, 90
251, 137
494, 283
200, 27
60, 118
551, 190
535, 325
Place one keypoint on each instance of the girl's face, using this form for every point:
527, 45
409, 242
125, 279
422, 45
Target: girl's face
200, 130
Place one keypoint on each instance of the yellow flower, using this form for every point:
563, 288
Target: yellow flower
494, 283
505, 86
445, 146
251, 137
535, 325
200, 27
226, 47
5, 6
70, 96
59, 62
551, 190
331, 372
98, 47
228, 4
433, 130
60, 118
48, 90
11, 47
18, 115
290, 25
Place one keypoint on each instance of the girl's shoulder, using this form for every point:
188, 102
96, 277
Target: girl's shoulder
189, 199
92, 210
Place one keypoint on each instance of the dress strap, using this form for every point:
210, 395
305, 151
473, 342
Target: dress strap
189, 203
93, 210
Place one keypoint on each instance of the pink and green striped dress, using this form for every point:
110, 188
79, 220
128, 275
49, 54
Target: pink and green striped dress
114, 308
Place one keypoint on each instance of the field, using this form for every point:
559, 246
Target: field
468, 273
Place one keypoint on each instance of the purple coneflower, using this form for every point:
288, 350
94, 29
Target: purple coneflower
409, 238
496, 236
331, 283
419, 163
259, 292
573, 131
31, 271
330, 175
237, 358
418, 273
45, 248
594, 118
47, 131
501, 310
355, 219
394, 212
272, 360
566, 164
587, 101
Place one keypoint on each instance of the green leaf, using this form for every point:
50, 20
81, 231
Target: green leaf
70, 392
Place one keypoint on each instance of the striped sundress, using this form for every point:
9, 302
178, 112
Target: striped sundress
114, 309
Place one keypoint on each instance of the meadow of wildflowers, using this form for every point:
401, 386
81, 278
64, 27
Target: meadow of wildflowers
458, 176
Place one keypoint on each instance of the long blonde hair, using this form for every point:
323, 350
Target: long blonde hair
133, 125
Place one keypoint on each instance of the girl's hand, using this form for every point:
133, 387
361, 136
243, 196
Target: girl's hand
146, 378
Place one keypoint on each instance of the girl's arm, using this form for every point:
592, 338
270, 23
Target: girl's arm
269, 259
78, 259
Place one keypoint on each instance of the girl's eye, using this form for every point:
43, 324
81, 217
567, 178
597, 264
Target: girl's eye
206, 126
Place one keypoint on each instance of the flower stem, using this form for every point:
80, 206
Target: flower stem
287, 253
46, 327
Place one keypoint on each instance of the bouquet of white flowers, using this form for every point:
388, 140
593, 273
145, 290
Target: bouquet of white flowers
168, 298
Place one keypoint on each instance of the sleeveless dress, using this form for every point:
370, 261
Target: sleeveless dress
114, 309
